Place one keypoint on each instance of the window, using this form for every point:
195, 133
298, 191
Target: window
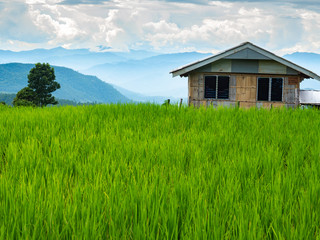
210, 86
270, 89
263, 89
216, 87
276, 89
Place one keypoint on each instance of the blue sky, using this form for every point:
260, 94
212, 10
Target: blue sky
160, 25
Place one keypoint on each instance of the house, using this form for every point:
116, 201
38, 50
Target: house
245, 76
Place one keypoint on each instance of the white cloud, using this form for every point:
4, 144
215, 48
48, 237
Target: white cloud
221, 4
311, 23
61, 28
163, 25
249, 24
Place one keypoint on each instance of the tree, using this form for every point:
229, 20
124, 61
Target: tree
25, 97
41, 80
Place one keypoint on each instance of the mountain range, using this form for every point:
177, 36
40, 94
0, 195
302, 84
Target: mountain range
125, 76
149, 76
74, 86
139, 75
77, 59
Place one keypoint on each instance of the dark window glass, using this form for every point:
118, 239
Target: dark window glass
276, 89
223, 87
263, 89
210, 86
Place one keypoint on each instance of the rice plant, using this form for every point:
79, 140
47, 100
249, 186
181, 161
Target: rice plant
144, 171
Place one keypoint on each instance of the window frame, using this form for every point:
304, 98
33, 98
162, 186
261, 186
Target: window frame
217, 84
270, 89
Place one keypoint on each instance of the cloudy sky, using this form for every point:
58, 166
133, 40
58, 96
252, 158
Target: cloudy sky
284, 26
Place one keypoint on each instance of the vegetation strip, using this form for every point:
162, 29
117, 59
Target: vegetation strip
159, 172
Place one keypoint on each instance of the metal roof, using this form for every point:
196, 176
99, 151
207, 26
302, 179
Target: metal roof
311, 97
247, 45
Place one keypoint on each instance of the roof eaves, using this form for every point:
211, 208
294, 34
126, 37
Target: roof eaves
188, 68
192, 66
285, 62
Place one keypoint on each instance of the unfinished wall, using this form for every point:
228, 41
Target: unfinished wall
246, 90
243, 91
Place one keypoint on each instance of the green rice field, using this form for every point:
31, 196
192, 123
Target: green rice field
144, 171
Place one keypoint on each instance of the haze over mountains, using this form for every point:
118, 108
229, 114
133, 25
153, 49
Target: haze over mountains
135, 75
148, 76
140, 75
77, 59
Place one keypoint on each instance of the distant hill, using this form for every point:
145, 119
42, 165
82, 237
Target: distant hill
149, 76
74, 86
77, 59
7, 98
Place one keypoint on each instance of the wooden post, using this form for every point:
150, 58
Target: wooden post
296, 97
180, 102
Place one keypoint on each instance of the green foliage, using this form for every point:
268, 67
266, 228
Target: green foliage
150, 172
41, 79
23, 103
25, 97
